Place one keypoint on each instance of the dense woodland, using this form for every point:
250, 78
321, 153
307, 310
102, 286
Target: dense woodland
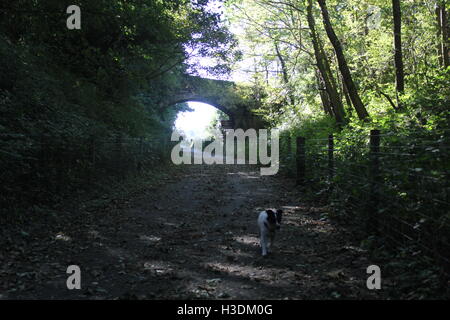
63, 91
83, 107
344, 68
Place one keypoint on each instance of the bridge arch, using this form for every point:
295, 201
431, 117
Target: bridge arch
225, 110
223, 95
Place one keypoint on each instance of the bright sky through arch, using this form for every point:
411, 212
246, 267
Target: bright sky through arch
194, 123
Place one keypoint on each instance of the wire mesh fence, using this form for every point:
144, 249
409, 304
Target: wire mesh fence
384, 183
36, 168
388, 185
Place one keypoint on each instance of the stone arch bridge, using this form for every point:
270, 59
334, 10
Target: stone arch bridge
223, 95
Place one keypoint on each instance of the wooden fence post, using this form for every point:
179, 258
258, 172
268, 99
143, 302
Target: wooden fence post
288, 156
374, 176
289, 145
331, 156
301, 165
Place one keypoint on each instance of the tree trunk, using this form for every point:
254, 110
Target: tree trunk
338, 107
323, 65
324, 95
267, 73
439, 35
399, 73
389, 100
283, 64
346, 95
343, 67
285, 73
444, 33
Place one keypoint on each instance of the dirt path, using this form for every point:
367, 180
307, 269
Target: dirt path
195, 236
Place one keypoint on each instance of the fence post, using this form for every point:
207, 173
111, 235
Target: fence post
289, 145
300, 156
331, 156
288, 156
374, 176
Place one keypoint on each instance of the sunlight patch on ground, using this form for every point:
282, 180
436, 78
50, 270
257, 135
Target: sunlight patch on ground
256, 273
149, 239
293, 208
158, 267
61, 236
248, 175
248, 240
231, 268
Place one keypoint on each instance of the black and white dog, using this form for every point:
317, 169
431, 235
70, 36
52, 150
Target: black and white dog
268, 222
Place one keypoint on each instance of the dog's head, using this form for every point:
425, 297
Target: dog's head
274, 218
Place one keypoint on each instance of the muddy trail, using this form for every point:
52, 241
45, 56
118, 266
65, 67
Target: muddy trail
193, 236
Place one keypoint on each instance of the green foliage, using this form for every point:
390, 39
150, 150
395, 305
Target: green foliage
412, 207
412, 191
215, 123
61, 89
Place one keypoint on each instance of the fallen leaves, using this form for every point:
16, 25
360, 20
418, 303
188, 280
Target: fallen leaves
166, 243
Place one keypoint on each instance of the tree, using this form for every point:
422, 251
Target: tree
343, 67
284, 72
399, 73
330, 97
443, 33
